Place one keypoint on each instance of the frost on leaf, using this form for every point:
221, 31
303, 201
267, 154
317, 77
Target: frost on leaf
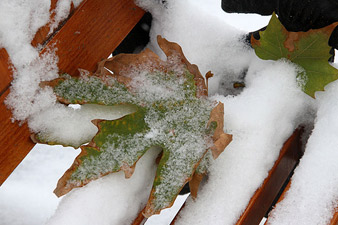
310, 50
172, 112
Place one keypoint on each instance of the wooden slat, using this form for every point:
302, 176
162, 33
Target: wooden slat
264, 196
5, 72
15, 142
91, 34
281, 198
334, 220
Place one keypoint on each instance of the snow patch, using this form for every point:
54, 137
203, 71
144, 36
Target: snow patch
61, 12
27, 195
313, 195
206, 37
110, 200
261, 118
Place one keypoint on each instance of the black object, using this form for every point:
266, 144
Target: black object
295, 15
185, 189
262, 7
138, 37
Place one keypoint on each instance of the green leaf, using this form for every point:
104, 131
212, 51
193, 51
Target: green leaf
309, 50
117, 146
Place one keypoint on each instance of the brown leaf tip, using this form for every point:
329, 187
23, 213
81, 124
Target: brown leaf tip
221, 139
171, 49
221, 143
194, 184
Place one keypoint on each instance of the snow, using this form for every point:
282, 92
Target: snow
260, 124
313, 195
16, 33
79, 128
27, 100
27, 195
62, 11
110, 200
206, 38
167, 215
261, 116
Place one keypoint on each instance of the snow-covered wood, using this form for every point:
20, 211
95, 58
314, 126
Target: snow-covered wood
265, 195
79, 44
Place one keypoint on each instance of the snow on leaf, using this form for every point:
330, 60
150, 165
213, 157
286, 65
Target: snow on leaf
172, 112
113, 147
310, 50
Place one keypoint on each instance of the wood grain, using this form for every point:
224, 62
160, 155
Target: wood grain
15, 142
334, 220
5, 71
262, 199
94, 30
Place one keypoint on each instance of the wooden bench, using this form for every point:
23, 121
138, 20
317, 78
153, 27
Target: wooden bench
92, 31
